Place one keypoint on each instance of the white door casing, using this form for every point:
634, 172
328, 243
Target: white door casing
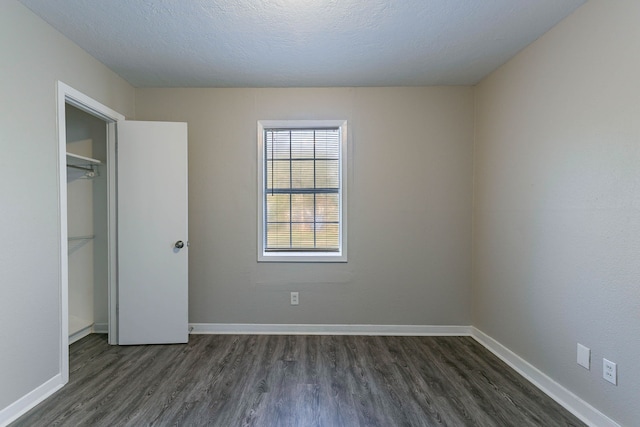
152, 218
68, 95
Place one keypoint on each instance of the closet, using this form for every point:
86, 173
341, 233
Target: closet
87, 222
124, 233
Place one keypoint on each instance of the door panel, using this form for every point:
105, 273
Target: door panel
152, 217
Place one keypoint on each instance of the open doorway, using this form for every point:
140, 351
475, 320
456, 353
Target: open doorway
87, 223
86, 147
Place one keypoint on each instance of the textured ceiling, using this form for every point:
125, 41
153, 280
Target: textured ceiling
280, 43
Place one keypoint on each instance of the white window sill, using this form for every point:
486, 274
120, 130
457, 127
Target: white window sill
302, 257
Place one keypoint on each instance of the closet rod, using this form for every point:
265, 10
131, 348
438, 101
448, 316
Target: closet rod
81, 238
82, 168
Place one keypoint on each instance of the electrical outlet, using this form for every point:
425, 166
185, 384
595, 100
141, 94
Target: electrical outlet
294, 298
610, 371
584, 356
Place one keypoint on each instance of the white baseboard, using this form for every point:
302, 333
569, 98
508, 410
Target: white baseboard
578, 407
29, 400
80, 334
100, 328
287, 329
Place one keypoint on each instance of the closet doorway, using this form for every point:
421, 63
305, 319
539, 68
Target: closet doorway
87, 223
123, 251
87, 191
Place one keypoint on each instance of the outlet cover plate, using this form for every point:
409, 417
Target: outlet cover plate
610, 371
295, 298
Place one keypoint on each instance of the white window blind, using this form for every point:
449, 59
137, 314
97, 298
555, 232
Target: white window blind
302, 189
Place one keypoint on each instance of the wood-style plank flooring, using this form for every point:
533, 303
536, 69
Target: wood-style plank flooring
249, 380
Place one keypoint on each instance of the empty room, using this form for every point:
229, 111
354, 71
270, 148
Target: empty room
320, 213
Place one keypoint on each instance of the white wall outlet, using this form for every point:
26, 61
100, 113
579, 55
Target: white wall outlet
610, 371
294, 298
584, 356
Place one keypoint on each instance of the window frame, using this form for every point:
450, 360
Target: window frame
302, 256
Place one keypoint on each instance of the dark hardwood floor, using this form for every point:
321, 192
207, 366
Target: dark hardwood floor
249, 380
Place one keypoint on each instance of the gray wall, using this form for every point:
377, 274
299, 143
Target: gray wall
557, 204
410, 167
34, 56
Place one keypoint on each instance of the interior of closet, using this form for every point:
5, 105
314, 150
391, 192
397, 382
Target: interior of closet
87, 221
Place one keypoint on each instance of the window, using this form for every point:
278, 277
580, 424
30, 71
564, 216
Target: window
302, 191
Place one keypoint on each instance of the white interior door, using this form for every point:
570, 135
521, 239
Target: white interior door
152, 233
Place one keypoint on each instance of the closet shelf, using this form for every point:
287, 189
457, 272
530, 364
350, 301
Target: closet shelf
77, 160
70, 238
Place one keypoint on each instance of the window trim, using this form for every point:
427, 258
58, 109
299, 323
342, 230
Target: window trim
302, 256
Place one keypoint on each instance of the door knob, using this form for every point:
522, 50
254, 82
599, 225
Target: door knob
179, 244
